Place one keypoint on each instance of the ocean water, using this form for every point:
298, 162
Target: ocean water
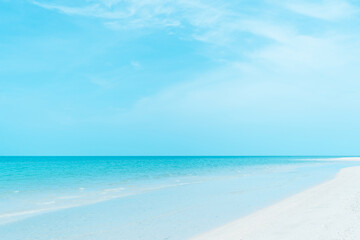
68, 198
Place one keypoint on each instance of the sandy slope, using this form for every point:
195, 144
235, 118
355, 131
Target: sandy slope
329, 211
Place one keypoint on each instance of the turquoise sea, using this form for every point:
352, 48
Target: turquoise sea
112, 198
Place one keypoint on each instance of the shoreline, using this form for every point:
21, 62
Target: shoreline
338, 159
180, 212
330, 210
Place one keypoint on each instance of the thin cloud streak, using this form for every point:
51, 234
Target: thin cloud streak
326, 10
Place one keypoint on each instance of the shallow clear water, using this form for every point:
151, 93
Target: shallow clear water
143, 197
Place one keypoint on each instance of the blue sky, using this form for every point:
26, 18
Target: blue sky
152, 77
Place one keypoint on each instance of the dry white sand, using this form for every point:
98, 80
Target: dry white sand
329, 211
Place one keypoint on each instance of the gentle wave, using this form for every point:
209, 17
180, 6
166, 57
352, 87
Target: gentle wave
17, 216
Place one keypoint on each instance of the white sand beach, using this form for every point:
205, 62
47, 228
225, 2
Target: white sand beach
329, 211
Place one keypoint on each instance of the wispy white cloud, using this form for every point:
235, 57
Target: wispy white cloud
307, 54
94, 10
210, 20
290, 51
310, 77
277, 31
123, 14
297, 74
207, 21
224, 24
325, 9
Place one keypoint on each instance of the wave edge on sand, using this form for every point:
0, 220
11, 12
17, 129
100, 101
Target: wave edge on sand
328, 211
